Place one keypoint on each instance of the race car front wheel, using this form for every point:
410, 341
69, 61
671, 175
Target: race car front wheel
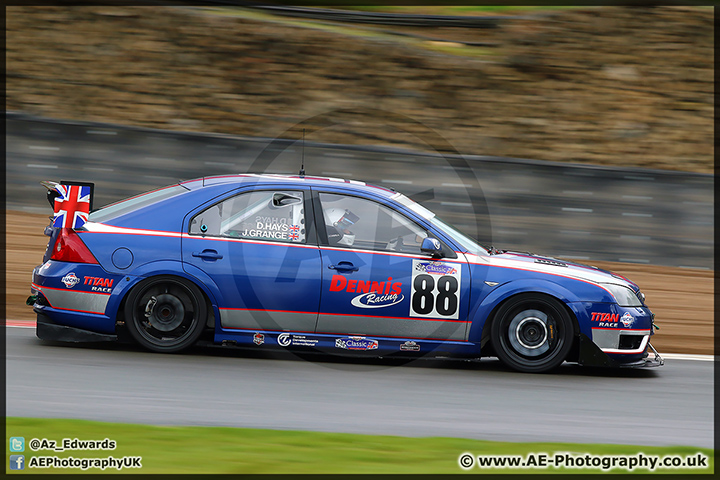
165, 314
532, 333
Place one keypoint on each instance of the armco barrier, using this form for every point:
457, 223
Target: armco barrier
567, 210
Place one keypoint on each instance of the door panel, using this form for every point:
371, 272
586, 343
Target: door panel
253, 245
377, 299
376, 282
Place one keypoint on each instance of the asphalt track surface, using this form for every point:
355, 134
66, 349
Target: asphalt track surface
671, 405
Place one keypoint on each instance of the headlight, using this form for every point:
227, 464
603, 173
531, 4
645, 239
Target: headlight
624, 296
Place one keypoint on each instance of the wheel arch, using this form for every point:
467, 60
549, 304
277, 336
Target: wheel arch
486, 311
179, 293
168, 269
485, 335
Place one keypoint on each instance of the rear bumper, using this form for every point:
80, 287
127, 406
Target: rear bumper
46, 329
592, 355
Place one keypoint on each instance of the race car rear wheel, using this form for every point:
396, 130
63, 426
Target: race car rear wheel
165, 314
532, 333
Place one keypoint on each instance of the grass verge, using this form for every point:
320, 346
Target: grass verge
241, 450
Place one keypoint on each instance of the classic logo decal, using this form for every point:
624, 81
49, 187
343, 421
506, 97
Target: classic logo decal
259, 339
627, 319
410, 346
435, 268
356, 343
70, 280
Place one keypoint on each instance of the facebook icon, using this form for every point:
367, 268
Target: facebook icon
17, 462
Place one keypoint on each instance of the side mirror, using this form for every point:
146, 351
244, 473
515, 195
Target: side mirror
432, 247
283, 200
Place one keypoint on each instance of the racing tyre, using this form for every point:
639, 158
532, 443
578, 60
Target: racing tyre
165, 314
532, 333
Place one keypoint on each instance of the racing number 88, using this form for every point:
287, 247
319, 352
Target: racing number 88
445, 303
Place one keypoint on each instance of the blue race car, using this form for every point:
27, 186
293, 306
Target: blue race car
326, 265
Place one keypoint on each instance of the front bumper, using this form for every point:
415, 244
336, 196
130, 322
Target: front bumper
46, 329
591, 355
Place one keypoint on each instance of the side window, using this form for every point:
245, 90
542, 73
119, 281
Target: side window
358, 223
265, 215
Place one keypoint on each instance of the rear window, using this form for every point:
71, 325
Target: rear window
134, 203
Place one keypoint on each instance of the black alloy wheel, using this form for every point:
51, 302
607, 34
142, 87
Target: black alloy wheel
165, 314
532, 333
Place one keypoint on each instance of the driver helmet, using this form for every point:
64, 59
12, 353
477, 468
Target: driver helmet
341, 219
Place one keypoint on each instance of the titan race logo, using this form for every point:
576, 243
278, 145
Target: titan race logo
99, 284
609, 320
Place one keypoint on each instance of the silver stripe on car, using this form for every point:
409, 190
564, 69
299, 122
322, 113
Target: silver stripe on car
74, 300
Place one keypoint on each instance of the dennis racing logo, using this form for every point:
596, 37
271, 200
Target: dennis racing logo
70, 280
356, 343
372, 294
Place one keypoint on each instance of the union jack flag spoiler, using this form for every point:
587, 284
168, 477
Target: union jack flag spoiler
72, 206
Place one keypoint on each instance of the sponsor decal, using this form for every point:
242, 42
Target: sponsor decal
286, 339
356, 343
70, 280
605, 317
608, 320
99, 284
372, 294
259, 339
340, 283
627, 320
435, 268
303, 341
410, 346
